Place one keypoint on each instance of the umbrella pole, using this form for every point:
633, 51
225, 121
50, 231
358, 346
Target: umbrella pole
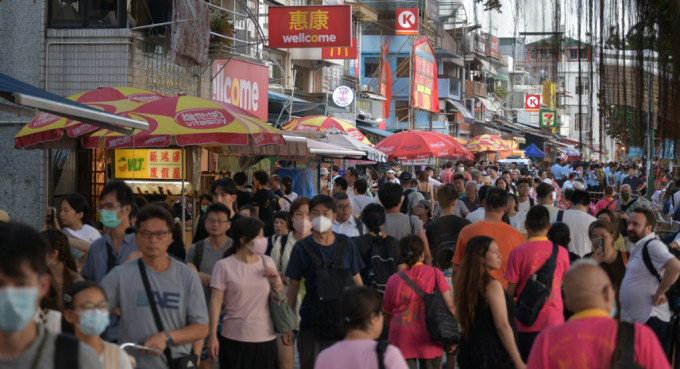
184, 204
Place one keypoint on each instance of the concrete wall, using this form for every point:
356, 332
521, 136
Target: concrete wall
22, 183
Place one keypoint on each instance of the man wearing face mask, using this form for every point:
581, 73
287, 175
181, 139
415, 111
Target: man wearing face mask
24, 282
627, 203
328, 262
177, 296
589, 338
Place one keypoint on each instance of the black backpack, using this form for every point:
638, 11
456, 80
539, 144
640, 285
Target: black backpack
66, 352
405, 203
331, 280
381, 265
440, 323
623, 356
537, 290
673, 293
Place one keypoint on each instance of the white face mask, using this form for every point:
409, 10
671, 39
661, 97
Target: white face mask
321, 224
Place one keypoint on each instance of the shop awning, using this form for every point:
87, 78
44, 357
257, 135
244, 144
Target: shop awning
325, 149
488, 105
373, 130
469, 118
21, 93
279, 97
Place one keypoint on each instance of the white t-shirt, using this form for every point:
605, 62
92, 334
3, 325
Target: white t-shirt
287, 200
523, 207
476, 216
639, 285
86, 233
578, 222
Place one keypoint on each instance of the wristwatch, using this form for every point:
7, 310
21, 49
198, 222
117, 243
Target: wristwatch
168, 339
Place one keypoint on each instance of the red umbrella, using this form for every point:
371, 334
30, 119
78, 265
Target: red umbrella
411, 145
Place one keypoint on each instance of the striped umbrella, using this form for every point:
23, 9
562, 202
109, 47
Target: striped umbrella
317, 123
486, 143
47, 127
187, 121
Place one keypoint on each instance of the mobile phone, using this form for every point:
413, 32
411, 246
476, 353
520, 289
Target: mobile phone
598, 246
139, 347
50, 215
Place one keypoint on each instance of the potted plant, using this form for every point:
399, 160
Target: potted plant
221, 24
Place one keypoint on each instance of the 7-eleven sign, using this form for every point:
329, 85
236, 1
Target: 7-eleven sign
547, 118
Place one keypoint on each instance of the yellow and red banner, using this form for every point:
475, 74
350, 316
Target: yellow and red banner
425, 93
340, 52
164, 164
310, 26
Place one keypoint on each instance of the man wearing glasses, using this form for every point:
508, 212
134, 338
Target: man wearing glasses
113, 248
176, 290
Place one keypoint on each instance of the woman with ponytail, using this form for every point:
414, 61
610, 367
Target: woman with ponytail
406, 310
485, 311
373, 218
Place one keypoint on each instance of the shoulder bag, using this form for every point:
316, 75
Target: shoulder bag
283, 317
537, 290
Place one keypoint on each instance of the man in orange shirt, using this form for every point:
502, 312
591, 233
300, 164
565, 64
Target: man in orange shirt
492, 226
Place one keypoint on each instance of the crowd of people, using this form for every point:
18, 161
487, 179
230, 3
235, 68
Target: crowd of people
542, 267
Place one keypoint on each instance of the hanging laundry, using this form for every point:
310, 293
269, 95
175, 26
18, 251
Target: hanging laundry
191, 39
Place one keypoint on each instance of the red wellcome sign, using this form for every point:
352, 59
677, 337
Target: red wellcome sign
310, 26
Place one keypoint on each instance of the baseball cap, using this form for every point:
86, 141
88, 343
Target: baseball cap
405, 176
323, 171
391, 171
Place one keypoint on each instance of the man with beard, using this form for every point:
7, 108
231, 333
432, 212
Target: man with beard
642, 295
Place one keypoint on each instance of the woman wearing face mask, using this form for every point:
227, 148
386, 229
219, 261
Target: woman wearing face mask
362, 321
300, 226
243, 283
86, 308
602, 235
204, 202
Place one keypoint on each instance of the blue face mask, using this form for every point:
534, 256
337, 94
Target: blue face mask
109, 218
204, 208
614, 311
93, 322
17, 307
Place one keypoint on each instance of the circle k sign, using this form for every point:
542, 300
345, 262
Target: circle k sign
532, 102
407, 21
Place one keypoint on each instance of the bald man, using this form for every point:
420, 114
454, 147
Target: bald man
588, 339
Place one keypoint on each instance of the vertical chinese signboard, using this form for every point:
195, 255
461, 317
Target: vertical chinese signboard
385, 79
158, 164
310, 26
425, 93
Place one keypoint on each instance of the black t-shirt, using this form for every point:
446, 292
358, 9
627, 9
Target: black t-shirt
365, 243
265, 201
243, 198
616, 271
448, 226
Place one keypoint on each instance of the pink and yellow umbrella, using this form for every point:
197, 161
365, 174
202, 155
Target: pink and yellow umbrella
187, 121
487, 143
47, 127
460, 140
317, 123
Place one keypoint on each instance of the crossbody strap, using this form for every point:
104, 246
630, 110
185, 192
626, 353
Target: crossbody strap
152, 305
560, 215
313, 256
648, 260
380, 349
547, 272
110, 257
411, 284
625, 343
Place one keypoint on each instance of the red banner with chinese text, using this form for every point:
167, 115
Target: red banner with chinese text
310, 26
385, 80
425, 93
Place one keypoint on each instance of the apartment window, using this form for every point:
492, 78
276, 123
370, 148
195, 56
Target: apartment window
371, 66
403, 70
574, 53
582, 86
96, 13
585, 122
401, 110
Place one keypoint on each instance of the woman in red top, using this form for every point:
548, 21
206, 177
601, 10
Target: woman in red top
406, 310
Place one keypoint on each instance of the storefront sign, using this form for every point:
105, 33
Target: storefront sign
532, 102
385, 80
242, 84
340, 52
549, 94
343, 96
162, 164
425, 92
407, 22
547, 118
310, 26
493, 46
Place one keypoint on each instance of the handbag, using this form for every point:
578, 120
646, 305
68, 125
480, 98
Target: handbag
536, 291
440, 323
283, 317
189, 361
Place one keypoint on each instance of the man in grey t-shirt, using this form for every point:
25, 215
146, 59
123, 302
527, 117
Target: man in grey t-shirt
176, 289
24, 281
400, 225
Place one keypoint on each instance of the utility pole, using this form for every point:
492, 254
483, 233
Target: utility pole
650, 138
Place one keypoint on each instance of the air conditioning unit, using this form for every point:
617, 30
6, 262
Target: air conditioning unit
363, 88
